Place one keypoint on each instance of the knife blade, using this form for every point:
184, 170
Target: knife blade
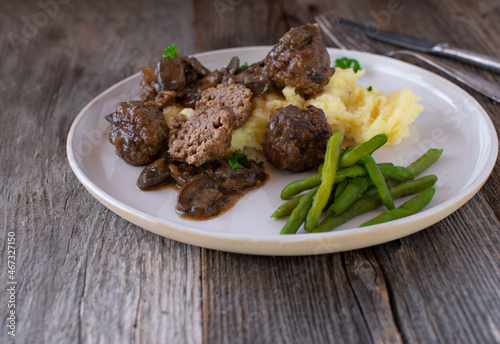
422, 45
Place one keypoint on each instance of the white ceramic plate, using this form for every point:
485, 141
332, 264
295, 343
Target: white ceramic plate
452, 120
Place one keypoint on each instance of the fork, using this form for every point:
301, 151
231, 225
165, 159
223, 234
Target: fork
333, 31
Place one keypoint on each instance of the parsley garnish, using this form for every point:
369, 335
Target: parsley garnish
370, 88
171, 51
242, 67
240, 160
345, 63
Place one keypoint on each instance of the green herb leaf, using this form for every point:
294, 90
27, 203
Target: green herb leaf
170, 51
370, 88
240, 160
242, 67
345, 63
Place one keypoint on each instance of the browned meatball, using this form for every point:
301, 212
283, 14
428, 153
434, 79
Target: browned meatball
203, 136
300, 60
138, 131
296, 139
236, 97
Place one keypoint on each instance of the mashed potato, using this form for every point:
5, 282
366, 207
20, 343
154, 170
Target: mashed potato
349, 108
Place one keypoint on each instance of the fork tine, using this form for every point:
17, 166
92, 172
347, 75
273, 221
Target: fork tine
340, 36
327, 28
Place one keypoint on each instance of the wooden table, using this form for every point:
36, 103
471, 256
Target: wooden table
85, 275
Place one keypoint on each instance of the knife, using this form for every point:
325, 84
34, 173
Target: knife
424, 46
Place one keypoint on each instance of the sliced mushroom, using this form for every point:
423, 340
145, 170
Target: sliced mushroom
233, 65
200, 197
170, 74
155, 174
183, 173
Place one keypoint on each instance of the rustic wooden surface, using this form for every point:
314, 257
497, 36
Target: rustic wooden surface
85, 275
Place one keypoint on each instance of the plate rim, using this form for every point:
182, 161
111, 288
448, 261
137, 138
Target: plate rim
298, 244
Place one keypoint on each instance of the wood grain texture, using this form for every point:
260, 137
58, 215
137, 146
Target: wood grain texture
87, 276
84, 274
258, 23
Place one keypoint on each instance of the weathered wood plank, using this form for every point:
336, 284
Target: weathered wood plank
84, 274
294, 300
453, 296
233, 23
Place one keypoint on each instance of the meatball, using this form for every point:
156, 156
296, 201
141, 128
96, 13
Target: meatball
296, 139
236, 97
138, 131
203, 136
300, 60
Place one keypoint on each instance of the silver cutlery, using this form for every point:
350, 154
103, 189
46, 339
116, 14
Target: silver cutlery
424, 46
333, 32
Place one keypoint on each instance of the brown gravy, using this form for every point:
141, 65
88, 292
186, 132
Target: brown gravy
203, 192
226, 203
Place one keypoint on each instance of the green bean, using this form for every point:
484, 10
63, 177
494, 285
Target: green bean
357, 153
351, 194
340, 188
299, 214
411, 187
296, 187
287, 207
417, 167
393, 176
332, 156
378, 180
349, 172
396, 172
372, 190
366, 204
411, 207
426, 160
335, 192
